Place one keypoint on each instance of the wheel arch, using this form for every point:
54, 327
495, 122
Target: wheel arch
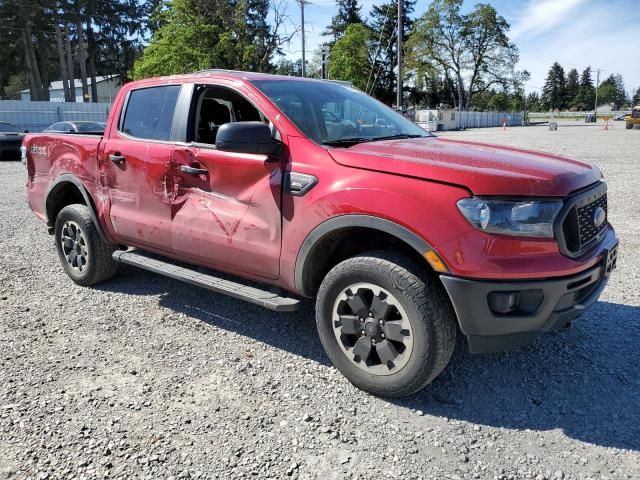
67, 190
327, 241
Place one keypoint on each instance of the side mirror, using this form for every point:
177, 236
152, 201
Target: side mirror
247, 137
26, 131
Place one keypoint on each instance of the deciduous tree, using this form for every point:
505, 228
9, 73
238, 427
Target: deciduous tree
472, 49
350, 56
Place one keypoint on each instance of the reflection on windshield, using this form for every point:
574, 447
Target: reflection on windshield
335, 114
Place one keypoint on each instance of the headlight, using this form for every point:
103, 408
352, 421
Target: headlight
23, 154
526, 218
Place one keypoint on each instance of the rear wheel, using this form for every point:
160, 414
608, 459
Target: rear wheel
385, 323
84, 255
629, 125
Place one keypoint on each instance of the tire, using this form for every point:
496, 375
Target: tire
430, 322
629, 125
92, 262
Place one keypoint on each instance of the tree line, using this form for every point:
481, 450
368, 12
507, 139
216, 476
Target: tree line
577, 91
48, 40
464, 60
454, 56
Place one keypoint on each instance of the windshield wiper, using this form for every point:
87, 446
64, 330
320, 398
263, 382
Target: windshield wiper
347, 142
342, 142
395, 137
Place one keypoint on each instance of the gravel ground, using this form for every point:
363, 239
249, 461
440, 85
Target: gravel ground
144, 377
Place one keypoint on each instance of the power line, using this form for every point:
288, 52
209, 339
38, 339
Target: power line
375, 80
375, 57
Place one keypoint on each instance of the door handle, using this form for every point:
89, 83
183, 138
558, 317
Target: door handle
193, 170
116, 158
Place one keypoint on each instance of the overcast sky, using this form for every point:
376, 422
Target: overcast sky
602, 33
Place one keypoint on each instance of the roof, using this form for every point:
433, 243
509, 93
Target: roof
57, 85
239, 74
250, 75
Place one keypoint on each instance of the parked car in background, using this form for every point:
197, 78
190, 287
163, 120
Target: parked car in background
619, 117
76, 127
10, 141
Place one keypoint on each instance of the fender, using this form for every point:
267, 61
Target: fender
59, 182
354, 220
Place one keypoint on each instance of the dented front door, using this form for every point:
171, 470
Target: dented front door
226, 210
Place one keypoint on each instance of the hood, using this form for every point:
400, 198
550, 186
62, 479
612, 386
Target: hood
482, 168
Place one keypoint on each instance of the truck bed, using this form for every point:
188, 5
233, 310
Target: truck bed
54, 154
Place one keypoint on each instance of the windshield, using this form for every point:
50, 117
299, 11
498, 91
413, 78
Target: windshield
8, 128
90, 126
331, 113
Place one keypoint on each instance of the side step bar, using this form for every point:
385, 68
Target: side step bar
264, 298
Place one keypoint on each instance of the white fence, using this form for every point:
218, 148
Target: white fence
36, 116
576, 115
453, 119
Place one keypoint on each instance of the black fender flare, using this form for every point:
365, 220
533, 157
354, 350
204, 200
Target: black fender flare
59, 183
353, 220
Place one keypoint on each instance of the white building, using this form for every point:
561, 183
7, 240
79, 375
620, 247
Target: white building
107, 85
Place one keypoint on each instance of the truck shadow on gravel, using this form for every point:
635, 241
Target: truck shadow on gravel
583, 381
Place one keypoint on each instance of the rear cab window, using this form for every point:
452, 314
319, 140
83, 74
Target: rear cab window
149, 112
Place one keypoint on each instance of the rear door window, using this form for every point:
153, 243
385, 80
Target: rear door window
149, 112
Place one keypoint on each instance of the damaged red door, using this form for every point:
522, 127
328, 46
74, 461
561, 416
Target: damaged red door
226, 209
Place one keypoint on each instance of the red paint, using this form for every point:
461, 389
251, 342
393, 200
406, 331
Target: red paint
236, 218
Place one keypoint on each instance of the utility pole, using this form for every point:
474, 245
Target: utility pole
400, 35
304, 66
595, 107
325, 54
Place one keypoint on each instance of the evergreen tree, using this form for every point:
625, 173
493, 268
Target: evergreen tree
621, 95
348, 13
585, 98
554, 91
573, 84
611, 90
384, 24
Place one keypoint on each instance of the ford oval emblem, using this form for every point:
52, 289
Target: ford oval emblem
599, 216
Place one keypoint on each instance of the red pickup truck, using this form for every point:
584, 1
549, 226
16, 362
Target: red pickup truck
314, 188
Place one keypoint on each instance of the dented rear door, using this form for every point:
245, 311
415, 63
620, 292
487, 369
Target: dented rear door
226, 209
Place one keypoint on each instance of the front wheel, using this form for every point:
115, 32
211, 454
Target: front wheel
84, 255
385, 323
629, 125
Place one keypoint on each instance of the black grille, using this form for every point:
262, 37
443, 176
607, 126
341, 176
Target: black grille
579, 228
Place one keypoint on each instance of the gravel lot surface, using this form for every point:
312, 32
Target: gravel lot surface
144, 377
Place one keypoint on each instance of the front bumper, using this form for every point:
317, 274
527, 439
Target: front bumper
531, 307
